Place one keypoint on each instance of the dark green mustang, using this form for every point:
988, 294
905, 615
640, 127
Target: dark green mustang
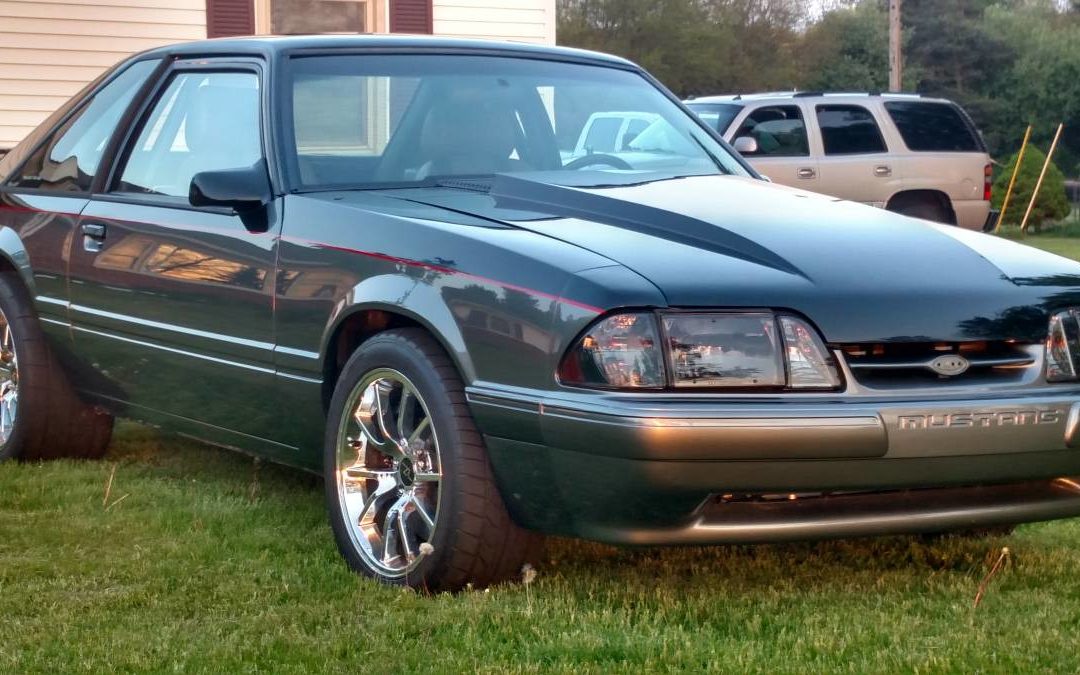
493, 290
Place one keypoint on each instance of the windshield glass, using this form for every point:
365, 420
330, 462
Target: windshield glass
716, 115
407, 120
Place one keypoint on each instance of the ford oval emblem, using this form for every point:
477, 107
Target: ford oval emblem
949, 365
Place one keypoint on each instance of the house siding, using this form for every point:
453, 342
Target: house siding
519, 20
50, 49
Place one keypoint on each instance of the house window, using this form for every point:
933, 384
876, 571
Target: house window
293, 17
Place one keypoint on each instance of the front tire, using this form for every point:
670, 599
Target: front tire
410, 493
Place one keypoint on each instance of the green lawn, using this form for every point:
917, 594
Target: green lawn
203, 560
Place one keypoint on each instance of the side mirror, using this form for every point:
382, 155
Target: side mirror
245, 189
746, 145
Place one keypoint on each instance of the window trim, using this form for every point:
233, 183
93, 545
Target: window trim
821, 131
140, 116
76, 105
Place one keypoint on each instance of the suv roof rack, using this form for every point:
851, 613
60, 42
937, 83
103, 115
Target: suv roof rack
808, 94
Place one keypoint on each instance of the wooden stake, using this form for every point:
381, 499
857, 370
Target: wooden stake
1042, 174
1012, 181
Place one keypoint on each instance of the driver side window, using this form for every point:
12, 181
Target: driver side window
779, 131
203, 121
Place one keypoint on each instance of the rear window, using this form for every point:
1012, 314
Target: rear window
933, 127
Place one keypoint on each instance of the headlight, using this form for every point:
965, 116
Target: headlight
622, 351
1063, 346
702, 350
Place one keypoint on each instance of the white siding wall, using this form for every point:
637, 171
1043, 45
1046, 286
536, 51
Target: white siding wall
519, 20
49, 49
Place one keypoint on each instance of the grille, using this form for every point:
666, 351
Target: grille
930, 364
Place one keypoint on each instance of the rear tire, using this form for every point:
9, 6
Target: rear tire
924, 208
41, 417
409, 491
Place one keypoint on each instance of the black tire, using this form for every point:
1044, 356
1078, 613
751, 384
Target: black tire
926, 209
475, 541
51, 421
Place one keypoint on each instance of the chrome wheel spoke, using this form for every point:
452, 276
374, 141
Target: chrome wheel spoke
9, 381
421, 427
404, 408
388, 472
421, 511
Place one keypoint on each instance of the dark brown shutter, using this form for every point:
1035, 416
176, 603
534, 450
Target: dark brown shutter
410, 16
225, 18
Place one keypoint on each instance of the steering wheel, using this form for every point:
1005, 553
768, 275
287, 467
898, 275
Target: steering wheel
590, 160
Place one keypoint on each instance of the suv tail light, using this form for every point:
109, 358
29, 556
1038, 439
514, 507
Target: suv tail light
988, 175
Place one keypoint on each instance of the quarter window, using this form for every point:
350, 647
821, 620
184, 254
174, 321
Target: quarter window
779, 131
69, 158
849, 130
932, 127
202, 122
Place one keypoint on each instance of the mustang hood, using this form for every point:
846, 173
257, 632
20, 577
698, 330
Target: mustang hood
860, 273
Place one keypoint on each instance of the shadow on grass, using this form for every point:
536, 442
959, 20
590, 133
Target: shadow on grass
856, 565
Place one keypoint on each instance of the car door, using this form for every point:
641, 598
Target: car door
855, 163
783, 148
173, 304
51, 184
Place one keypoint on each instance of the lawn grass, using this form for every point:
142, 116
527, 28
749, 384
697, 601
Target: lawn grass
202, 560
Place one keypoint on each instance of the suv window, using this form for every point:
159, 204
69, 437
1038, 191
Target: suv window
849, 130
202, 122
69, 158
932, 127
716, 115
779, 131
603, 134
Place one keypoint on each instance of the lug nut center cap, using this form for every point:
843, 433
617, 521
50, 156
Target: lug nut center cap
406, 472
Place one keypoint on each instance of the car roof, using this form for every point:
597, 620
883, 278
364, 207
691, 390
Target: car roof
271, 45
832, 97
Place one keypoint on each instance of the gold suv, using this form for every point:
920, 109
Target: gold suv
922, 157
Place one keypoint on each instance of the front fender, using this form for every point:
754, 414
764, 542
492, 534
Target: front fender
13, 251
405, 295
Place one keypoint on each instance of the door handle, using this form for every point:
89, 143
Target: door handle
882, 171
93, 237
806, 172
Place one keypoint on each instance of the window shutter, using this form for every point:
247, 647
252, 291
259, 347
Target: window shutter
226, 18
411, 16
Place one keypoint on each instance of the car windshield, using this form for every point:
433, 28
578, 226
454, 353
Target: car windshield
717, 115
408, 120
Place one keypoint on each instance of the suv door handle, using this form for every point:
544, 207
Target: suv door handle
806, 172
882, 171
93, 237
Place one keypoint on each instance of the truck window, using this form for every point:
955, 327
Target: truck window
849, 130
933, 127
779, 131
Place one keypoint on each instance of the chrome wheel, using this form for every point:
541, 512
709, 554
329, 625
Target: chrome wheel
388, 473
9, 381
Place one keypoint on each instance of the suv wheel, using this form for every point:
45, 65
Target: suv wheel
410, 494
926, 208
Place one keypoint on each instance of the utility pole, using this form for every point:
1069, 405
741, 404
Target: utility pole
896, 62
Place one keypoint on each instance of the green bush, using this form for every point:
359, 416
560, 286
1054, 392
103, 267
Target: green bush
1052, 204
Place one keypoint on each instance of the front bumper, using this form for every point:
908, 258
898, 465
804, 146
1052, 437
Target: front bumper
685, 469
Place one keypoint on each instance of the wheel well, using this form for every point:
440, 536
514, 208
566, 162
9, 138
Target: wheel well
352, 332
935, 197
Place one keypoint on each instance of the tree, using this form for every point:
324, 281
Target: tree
847, 50
1052, 203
